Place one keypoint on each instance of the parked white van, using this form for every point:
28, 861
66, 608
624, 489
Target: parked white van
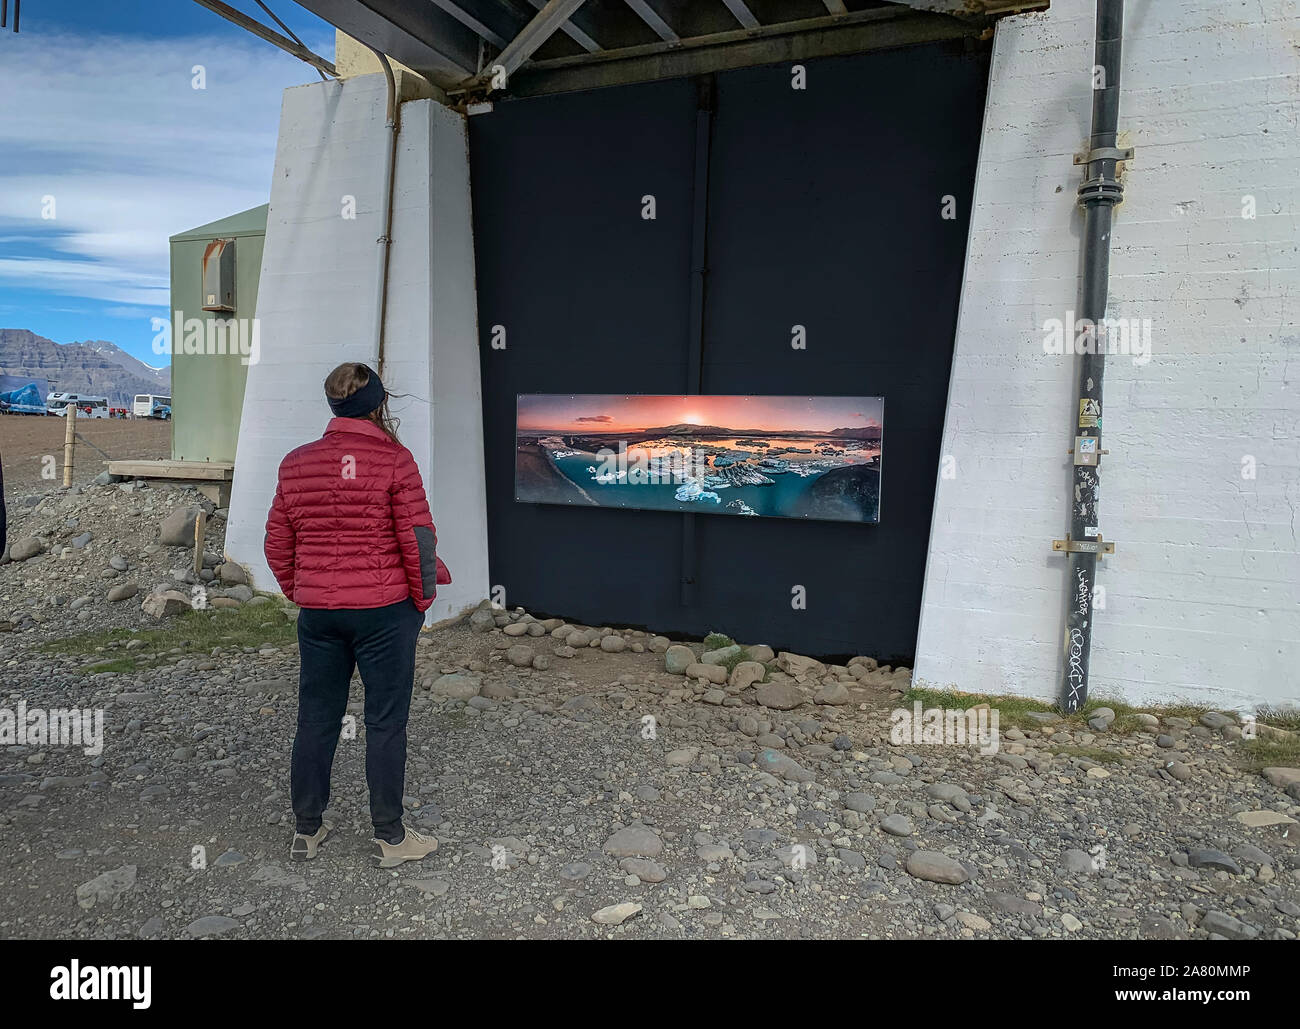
87, 407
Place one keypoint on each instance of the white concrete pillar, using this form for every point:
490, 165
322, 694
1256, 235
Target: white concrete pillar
316, 305
1201, 489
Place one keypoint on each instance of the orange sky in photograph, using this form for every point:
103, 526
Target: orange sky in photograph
620, 413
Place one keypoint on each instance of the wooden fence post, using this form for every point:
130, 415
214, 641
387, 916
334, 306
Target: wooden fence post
69, 442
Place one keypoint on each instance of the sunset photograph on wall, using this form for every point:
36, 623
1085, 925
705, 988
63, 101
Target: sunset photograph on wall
777, 457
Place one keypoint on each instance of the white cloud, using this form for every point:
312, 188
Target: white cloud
132, 154
91, 279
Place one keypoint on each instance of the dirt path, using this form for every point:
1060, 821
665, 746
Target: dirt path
31, 445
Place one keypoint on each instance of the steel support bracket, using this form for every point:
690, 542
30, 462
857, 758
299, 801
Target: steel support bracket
1104, 153
1069, 546
1101, 189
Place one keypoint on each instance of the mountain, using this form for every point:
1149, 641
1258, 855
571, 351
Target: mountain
96, 367
866, 432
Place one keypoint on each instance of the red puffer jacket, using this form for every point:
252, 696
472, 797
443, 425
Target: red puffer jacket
350, 524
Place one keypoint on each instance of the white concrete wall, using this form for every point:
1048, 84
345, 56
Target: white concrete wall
316, 308
1202, 599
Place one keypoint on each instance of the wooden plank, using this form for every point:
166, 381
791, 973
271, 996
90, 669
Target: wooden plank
200, 528
212, 471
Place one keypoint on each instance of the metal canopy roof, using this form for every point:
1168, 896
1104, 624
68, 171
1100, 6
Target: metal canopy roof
554, 45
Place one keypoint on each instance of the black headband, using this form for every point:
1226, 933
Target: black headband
362, 402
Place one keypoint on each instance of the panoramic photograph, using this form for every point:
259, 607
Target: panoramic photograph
779, 457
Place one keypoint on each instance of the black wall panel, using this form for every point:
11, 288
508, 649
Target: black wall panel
823, 211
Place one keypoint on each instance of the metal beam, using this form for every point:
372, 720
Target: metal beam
258, 29
742, 13
547, 22
467, 19
288, 32
645, 9
856, 32
435, 44
572, 31
835, 6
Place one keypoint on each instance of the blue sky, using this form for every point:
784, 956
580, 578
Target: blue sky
106, 149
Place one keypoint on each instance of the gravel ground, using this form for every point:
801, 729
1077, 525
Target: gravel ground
580, 789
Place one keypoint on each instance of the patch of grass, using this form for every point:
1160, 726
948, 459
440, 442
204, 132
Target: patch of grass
1012, 711
1272, 753
121, 664
716, 641
730, 663
1015, 711
1279, 717
454, 719
197, 631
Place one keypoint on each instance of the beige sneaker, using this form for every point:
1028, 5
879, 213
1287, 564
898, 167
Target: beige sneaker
304, 848
414, 847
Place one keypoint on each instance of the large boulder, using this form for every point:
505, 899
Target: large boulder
745, 674
783, 766
177, 529
23, 549
779, 696
678, 658
634, 841
934, 867
834, 693
455, 686
168, 602
123, 591
722, 655
715, 674
232, 574
797, 664
482, 619
1282, 777
106, 887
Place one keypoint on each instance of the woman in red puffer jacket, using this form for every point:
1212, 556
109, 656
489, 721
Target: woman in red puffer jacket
351, 542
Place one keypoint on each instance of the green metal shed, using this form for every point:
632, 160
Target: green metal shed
214, 274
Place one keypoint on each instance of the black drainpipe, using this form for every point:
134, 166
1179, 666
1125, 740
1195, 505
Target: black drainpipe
1099, 192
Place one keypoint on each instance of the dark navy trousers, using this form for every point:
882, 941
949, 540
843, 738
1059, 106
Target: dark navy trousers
380, 642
